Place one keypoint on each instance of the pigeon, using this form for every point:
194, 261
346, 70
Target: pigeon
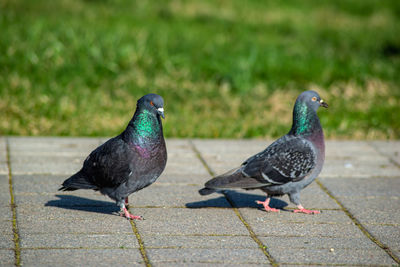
128, 162
286, 166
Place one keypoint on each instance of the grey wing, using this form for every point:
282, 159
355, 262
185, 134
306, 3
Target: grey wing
286, 160
108, 165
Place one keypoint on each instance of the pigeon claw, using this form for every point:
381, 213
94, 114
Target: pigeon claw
125, 213
266, 206
134, 217
303, 210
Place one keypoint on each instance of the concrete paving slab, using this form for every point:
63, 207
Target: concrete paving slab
221, 255
188, 169
354, 187
180, 149
4, 191
182, 160
86, 241
308, 265
39, 145
7, 257
3, 168
4, 197
3, 156
208, 221
356, 159
3, 150
311, 242
76, 257
227, 146
396, 253
287, 217
159, 195
44, 191
374, 202
5, 220
380, 167
7, 240
347, 149
66, 199
51, 157
65, 168
390, 149
32, 155
203, 264
386, 234
39, 183
227, 154
264, 227
374, 210
183, 179
198, 241
326, 256
34, 219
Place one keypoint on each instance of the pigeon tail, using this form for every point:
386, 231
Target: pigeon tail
75, 182
206, 191
233, 179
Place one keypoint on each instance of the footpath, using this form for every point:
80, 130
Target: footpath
358, 193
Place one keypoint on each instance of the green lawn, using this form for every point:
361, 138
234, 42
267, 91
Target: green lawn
228, 69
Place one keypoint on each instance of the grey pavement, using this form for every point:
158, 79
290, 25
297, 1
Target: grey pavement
358, 193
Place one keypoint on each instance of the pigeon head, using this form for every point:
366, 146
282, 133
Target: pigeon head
311, 99
152, 102
305, 119
146, 122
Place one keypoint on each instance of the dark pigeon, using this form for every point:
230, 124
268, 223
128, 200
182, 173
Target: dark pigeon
286, 166
128, 162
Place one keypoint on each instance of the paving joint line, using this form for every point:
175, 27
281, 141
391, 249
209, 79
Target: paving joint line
260, 244
142, 249
358, 223
17, 247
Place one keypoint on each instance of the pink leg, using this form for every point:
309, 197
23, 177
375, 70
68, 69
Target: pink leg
125, 213
266, 205
301, 209
128, 215
126, 202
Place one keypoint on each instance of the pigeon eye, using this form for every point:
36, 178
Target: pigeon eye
151, 103
314, 99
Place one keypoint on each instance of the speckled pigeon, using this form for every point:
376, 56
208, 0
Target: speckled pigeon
286, 166
128, 162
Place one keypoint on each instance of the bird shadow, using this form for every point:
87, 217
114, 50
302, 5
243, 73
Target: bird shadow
83, 204
240, 200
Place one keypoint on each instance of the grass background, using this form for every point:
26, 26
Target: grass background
228, 69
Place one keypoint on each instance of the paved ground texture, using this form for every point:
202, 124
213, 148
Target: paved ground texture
358, 192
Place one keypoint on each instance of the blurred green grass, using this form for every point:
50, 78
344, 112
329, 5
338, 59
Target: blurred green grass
229, 69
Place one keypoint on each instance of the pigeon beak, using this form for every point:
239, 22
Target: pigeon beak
161, 112
322, 103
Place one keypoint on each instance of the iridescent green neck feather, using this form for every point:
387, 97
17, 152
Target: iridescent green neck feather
146, 126
304, 119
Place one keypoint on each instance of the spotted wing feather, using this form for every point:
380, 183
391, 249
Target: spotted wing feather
289, 159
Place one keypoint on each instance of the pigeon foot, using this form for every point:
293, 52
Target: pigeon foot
125, 213
266, 205
301, 209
